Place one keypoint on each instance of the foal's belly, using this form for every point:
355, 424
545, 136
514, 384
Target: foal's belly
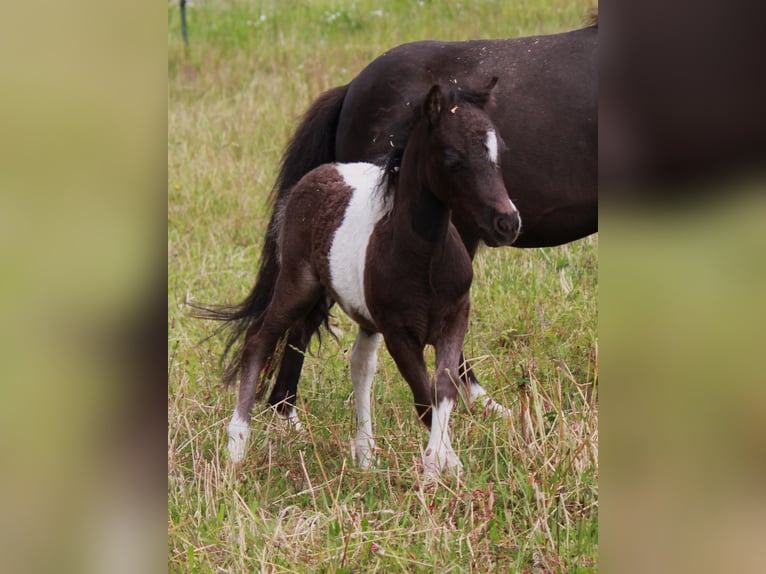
348, 251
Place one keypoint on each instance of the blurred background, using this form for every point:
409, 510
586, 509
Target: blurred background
682, 268
682, 273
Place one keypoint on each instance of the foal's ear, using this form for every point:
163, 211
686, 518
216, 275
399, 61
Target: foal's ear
433, 105
484, 96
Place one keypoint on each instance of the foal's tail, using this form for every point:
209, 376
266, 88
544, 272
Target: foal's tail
312, 145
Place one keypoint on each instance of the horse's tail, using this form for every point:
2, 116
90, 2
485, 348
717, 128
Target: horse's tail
239, 318
312, 145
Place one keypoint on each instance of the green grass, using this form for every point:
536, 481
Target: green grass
528, 501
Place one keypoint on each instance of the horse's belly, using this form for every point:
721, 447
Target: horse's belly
348, 251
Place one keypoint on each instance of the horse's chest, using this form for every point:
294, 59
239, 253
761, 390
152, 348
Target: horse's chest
348, 250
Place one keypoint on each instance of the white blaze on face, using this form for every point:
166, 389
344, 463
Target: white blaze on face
348, 251
491, 146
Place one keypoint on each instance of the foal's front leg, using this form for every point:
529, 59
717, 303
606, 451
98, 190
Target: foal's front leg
433, 403
439, 453
364, 359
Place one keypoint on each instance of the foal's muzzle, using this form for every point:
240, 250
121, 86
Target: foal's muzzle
504, 230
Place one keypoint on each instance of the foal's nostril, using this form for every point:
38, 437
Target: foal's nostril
507, 226
503, 225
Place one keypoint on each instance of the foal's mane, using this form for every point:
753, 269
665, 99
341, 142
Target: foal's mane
391, 163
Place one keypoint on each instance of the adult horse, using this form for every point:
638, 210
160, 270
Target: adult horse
545, 110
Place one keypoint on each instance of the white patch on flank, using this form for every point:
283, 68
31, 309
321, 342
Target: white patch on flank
439, 453
491, 145
239, 431
349, 245
364, 359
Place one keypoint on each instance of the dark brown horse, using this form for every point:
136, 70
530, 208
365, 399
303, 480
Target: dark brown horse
379, 241
546, 112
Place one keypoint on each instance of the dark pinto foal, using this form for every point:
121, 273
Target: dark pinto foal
378, 240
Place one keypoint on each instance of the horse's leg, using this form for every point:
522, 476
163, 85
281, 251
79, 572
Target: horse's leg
476, 391
433, 403
439, 453
295, 294
364, 359
285, 392
408, 356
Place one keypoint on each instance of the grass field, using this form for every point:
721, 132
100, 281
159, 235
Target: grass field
528, 501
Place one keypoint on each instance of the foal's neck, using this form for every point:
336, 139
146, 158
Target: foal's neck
417, 209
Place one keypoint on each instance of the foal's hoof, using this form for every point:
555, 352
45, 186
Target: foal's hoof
236, 450
292, 420
433, 471
431, 475
363, 452
491, 407
239, 431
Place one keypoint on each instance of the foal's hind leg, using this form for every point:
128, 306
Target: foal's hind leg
364, 359
285, 392
294, 296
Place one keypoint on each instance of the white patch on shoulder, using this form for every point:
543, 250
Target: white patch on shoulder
348, 251
491, 145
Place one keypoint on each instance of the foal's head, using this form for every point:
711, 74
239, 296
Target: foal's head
460, 163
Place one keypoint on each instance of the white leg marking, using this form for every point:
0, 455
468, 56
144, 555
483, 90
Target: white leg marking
239, 431
292, 419
478, 392
439, 453
491, 146
364, 359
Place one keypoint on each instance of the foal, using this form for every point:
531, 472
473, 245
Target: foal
378, 240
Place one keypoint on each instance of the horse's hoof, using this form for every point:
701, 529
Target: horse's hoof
292, 420
493, 408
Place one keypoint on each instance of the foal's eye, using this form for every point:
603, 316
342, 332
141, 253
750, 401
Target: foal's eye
453, 159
